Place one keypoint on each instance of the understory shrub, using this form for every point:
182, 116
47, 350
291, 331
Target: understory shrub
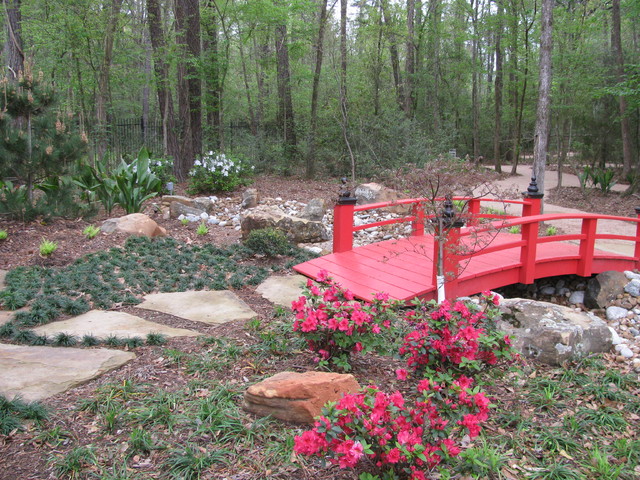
270, 242
462, 337
217, 172
335, 325
401, 438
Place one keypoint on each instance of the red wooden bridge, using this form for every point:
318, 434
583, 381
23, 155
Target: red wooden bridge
481, 256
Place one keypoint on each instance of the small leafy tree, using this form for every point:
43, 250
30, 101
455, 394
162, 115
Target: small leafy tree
37, 140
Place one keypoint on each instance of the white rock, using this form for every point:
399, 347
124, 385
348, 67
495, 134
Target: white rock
576, 298
181, 217
616, 313
615, 338
316, 250
213, 221
204, 215
626, 352
632, 275
223, 223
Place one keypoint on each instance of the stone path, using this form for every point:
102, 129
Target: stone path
210, 307
35, 373
101, 324
521, 182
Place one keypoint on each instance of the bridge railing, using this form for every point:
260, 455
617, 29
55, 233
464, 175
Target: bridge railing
418, 212
530, 238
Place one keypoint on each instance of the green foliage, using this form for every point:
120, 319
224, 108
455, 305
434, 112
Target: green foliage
135, 183
75, 462
47, 247
190, 462
162, 168
202, 229
270, 242
37, 139
3, 234
217, 172
14, 412
551, 230
91, 231
155, 338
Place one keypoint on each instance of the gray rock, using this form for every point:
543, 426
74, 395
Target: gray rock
297, 230
178, 208
576, 298
314, 210
553, 334
633, 287
250, 198
376, 193
634, 331
616, 313
205, 204
548, 290
604, 288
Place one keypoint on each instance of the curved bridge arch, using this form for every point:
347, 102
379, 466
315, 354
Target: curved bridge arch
484, 255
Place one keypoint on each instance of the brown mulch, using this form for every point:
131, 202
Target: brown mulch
22, 457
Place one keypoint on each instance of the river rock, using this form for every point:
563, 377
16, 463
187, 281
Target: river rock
553, 334
576, 298
297, 397
134, 224
616, 313
633, 287
604, 288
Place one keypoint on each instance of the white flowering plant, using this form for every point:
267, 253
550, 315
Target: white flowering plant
217, 172
163, 169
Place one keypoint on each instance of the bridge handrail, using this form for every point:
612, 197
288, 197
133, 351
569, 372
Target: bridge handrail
530, 238
343, 216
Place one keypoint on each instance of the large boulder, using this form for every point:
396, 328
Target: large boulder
604, 288
551, 333
314, 210
134, 224
297, 397
375, 193
179, 205
297, 230
250, 198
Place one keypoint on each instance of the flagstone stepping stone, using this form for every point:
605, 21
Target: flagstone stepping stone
3, 275
5, 317
35, 373
101, 324
213, 307
282, 290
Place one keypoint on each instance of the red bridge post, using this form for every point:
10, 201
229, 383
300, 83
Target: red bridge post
637, 249
587, 246
417, 226
343, 221
446, 249
530, 233
473, 209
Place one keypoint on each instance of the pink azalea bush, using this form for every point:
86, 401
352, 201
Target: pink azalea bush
335, 325
461, 337
395, 437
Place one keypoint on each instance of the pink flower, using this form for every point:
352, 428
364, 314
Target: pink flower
401, 374
394, 455
309, 443
323, 276
358, 347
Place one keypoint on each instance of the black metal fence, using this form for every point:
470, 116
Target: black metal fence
125, 137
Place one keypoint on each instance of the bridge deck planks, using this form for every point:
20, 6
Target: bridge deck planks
403, 267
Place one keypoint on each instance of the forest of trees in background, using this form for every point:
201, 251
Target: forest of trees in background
335, 86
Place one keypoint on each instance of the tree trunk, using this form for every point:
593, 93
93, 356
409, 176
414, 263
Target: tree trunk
625, 127
544, 95
102, 95
311, 152
161, 68
497, 129
410, 60
214, 74
187, 14
285, 104
475, 101
393, 50
13, 42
